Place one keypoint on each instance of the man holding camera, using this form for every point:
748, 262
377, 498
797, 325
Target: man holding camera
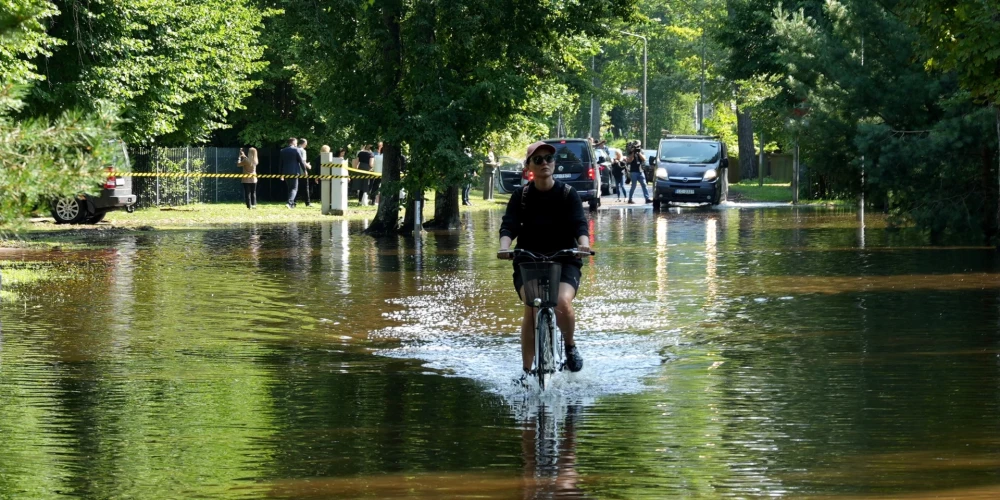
635, 160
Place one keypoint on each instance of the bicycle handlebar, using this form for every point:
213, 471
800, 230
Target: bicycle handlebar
510, 254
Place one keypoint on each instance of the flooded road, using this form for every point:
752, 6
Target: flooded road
739, 353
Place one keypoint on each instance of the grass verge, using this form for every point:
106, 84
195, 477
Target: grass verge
213, 214
750, 191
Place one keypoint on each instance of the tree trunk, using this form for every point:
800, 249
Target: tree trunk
744, 134
997, 108
445, 210
387, 217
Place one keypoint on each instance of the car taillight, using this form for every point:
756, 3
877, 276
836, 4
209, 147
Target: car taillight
527, 175
590, 173
110, 182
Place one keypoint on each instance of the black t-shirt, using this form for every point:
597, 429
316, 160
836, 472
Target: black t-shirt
364, 159
550, 220
636, 164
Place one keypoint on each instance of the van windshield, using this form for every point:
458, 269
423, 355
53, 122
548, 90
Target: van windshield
572, 153
689, 152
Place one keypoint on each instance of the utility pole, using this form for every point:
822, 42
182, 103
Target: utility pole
701, 96
595, 104
644, 63
760, 163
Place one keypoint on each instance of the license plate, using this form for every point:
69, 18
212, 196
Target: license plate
684, 191
119, 181
562, 176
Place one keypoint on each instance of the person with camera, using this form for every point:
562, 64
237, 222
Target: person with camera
249, 165
635, 160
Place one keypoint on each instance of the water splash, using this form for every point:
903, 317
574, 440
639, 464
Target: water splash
614, 363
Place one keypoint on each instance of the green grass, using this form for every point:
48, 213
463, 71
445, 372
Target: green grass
770, 192
750, 191
212, 214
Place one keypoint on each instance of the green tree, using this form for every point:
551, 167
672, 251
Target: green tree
437, 78
855, 66
962, 36
176, 67
41, 158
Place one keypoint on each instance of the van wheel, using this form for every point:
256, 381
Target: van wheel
593, 205
69, 210
656, 205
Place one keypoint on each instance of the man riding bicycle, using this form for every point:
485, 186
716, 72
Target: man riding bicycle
547, 216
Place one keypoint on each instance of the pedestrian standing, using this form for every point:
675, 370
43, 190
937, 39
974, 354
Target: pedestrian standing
248, 162
376, 183
489, 172
305, 180
364, 162
292, 164
470, 177
618, 172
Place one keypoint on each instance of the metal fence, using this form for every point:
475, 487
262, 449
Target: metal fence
172, 191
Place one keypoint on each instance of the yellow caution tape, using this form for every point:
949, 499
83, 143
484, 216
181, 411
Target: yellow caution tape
354, 174
231, 176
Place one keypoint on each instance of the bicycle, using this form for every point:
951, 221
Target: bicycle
540, 275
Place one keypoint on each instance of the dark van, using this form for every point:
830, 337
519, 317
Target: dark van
115, 193
691, 169
577, 166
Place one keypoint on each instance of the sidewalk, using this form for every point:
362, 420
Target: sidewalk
610, 202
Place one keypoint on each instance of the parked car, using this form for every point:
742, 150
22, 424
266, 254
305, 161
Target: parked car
509, 172
576, 165
691, 169
115, 193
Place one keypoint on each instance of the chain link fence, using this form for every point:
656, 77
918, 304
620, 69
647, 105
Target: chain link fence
174, 191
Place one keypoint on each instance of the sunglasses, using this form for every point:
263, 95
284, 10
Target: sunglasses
542, 160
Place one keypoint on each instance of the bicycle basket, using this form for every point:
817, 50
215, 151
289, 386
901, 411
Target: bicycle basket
541, 281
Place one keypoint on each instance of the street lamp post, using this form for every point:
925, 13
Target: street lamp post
643, 84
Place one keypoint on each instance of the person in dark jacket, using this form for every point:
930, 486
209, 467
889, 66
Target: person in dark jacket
305, 181
292, 164
618, 172
365, 161
549, 219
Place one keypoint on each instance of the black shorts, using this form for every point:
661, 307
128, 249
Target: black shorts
571, 274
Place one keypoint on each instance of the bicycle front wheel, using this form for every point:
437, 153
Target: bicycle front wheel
545, 349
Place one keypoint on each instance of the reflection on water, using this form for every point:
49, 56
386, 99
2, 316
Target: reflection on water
745, 353
548, 443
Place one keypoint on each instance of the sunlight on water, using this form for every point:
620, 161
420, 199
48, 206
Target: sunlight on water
742, 353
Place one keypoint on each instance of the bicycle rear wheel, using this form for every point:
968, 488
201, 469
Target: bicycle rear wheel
545, 351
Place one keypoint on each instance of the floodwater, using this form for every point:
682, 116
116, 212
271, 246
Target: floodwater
748, 352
